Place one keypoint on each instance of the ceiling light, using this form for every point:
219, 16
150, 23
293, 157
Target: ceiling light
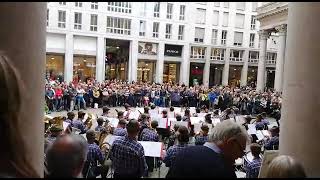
196, 67
146, 64
84, 60
52, 58
235, 69
117, 47
215, 68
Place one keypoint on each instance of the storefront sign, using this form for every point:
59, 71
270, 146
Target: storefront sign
148, 48
172, 50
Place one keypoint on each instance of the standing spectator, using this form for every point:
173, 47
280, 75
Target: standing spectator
50, 94
58, 98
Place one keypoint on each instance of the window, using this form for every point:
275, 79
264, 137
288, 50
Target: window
94, 5
252, 36
118, 25
121, 7
224, 37
62, 19
226, 4
241, 6
254, 6
236, 55
78, 4
214, 36
217, 54
271, 58
239, 21
169, 10
77, 20
253, 22
225, 19
238, 38
201, 16
182, 12
62, 3
253, 56
47, 17
180, 32
143, 9
217, 4
215, 18
94, 22
156, 10
199, 35
155, 31
197, 52
142, 31
168, 31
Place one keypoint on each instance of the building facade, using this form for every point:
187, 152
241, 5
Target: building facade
209, 43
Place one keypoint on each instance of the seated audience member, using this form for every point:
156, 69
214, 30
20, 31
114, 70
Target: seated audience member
273, 142
285, 167
100, 127
216, 157
121, 129
94, 155
252, 168
66, 156
183, 139
127, 154
202, 137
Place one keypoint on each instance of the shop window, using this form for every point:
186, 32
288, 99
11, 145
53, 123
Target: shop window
55, 67
84, 68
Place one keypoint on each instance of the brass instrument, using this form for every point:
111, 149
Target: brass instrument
96, 93
88, 119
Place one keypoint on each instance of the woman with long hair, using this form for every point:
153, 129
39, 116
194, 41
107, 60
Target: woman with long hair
13, 155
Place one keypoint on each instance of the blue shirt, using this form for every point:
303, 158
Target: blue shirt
127, 157
259, 125
171, 154
94, 154
99, 128
200, 139
252, 168
120, 132
149, 135
79, 125
269, 144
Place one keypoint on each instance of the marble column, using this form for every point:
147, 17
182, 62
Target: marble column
225, 73
100, 59
206, 70
133, 61
244, 72
299, 130
262, 60
160, 63
278, 82
185, 65
68, 61
23, 39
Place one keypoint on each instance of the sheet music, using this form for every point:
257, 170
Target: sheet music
170, 114
252, 129
152, 149
180, 123
153, 112
170, 120
260, 136
240, 120
177, 109
111, 138
134, 115
266, 133
161, 109
163, 123
196, 120
202, 114
114, 122
140, 109
192, 110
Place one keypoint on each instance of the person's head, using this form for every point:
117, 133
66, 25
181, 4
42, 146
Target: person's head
285, 167
154, 124
183, 134
171, 109
205, 129
176, 127
164, 113
264, 114
91, 135
259, 118
146, 110
100, 121
255, 150
216, 112
143, 117
81, 114
122, 123
133, 128
105, 110
207, 118
126, 106
178, 117
231, 138
120, 114
275, 131
187, 112
198, 110
66, 156
247, 118
152, 106
70, 115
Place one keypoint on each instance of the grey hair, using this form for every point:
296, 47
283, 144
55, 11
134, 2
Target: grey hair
227, 129
61, 163
285, 167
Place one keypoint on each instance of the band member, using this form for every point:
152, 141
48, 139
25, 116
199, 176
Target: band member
121, 129
202, 137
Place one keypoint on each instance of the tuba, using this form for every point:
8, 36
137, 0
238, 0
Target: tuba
88, 119
96, 93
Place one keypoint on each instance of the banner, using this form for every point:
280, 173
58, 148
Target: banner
172, 50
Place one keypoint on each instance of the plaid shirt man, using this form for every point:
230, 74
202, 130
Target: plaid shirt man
128, 158
120, 132
200, 139
79, 125
94, 154
100, 128
149, 135
274, 141
172, 153
252, 168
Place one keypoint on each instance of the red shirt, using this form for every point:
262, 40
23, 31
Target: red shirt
58, 92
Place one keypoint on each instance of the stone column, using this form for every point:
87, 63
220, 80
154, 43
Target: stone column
206, 70
133, 60
23, 38
282, 31
262, 60
299, 131
244, 72
68, 60
225, 73
100, 59
159, 65
185, 65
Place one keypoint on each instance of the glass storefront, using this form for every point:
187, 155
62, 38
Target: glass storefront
196, 74
171, 72
55, 67
271, 72
215, 74
84, 68
252, 76
146, 71
234, 75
